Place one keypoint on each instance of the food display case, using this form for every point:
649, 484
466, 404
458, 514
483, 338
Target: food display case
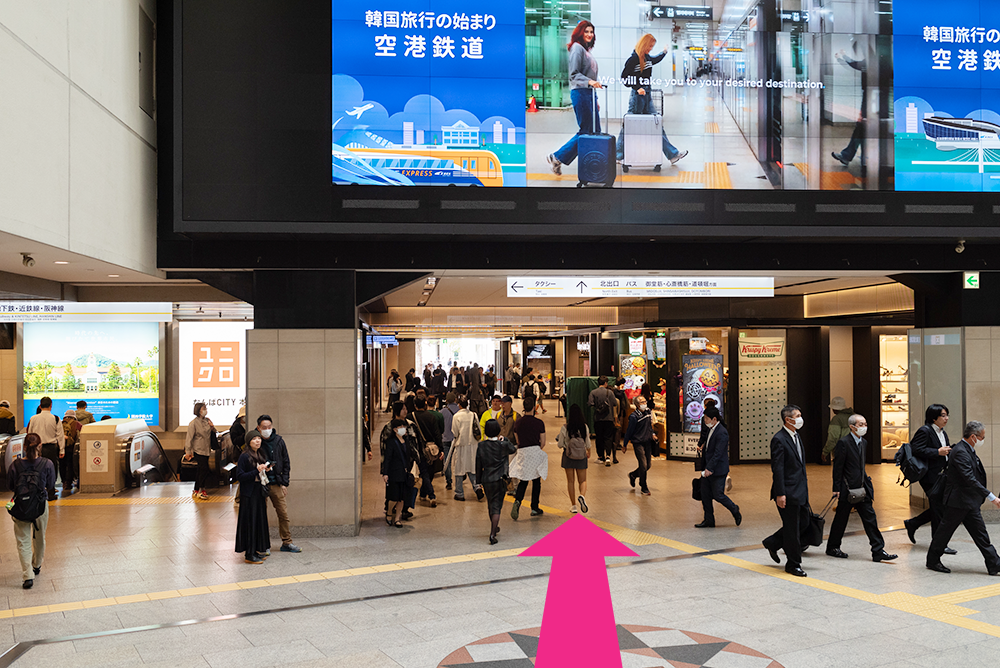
894, 420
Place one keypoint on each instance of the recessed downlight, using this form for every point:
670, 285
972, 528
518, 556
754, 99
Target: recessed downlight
113, 275
61, 262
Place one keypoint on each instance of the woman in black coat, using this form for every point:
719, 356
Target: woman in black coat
397, 461
252, 536
492, 472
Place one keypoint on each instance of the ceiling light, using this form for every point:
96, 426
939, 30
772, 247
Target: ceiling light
60, 262
112, 275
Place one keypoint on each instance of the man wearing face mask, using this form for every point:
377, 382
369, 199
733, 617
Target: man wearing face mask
964, 493
848, 478
713, 478
790, 491
274, 448
640, 434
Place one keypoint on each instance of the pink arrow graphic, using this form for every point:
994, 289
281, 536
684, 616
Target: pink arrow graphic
578, 624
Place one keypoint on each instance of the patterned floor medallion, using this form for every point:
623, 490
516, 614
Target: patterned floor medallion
641, 647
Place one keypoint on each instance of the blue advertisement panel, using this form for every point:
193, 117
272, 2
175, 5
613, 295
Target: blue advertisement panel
114, 367
947, 95
428, 93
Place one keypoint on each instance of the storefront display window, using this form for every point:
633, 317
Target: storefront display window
894, 393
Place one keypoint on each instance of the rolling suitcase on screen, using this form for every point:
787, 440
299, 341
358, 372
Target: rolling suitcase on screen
596, 153
643, 141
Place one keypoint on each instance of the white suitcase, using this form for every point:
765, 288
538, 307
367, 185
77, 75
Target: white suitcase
643, 141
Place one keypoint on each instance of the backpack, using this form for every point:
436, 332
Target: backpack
911, 468
30, 497
541, 386
576, 448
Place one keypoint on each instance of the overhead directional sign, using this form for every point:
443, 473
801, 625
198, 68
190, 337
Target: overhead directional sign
665, 12
639, 286
971, 280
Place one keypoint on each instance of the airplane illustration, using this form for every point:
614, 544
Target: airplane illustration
360, 110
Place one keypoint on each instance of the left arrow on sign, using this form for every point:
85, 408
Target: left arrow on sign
514, 286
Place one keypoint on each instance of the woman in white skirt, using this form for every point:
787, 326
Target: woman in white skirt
530, 463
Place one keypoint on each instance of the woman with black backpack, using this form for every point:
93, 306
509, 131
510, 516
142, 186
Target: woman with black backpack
574, 440
30, 477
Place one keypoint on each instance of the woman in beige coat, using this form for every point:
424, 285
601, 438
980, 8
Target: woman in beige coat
198, 446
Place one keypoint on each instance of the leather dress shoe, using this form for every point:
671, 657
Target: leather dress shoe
796, 571
911, 531
738, 516
939, 567
837, 552
774, 554
948, 550
705, 525
993, 572
883, 556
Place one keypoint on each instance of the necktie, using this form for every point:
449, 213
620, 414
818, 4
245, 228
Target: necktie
798, 447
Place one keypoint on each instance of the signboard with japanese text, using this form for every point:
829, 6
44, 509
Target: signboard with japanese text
640, 286
114, 367
947, 95
212, 369
53, 311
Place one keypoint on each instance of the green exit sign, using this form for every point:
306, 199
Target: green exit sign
971, 280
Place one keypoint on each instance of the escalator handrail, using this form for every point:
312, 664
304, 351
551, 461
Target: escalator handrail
163, 454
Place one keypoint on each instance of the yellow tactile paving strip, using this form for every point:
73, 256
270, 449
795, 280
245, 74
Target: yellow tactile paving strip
145, 501
712, 128
716, 176
942, 608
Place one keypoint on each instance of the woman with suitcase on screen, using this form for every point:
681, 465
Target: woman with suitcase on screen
637, 75
582, 82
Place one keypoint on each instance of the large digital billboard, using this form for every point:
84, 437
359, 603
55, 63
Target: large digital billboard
113, 366
804, 98
947, 95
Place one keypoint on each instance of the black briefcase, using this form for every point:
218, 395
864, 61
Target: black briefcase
813, 535
696, 489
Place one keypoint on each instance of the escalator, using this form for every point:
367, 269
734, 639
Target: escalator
143, 460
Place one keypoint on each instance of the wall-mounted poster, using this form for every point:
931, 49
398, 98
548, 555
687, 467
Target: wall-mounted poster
212, 369
702, 381
113, 366
635, 372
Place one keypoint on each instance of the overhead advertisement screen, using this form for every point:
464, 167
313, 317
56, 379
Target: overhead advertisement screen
559, 93
947, 95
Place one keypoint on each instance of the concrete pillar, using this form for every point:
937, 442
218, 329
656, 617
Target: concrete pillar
842, 364
308, 381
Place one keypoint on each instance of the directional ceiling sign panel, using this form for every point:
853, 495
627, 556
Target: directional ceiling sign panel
639, 286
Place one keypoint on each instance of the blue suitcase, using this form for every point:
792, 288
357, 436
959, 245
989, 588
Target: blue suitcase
596, 153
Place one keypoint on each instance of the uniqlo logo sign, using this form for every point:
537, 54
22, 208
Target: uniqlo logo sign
216, 364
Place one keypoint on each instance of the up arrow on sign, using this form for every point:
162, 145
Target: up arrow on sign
971, 281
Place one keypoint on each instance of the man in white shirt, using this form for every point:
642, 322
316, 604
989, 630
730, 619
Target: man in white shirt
49, 429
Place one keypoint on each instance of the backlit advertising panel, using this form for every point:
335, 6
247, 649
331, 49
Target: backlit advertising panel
212, 369
113, 366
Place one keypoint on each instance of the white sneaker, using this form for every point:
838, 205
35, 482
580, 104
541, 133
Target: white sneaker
554, 163
583, 504
574, 510
680, 156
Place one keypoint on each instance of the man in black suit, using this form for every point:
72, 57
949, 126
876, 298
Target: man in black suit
930, 443
849, 473
965, 491
713, 478
790, 491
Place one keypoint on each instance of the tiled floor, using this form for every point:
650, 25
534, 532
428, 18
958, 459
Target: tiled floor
111, 567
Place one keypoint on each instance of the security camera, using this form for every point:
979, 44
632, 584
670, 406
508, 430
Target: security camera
960, 248
27, 260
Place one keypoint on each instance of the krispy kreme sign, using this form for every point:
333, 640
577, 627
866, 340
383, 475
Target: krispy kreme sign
771, 350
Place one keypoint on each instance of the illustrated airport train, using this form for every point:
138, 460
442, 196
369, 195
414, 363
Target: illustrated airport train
950, 134
416, 165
